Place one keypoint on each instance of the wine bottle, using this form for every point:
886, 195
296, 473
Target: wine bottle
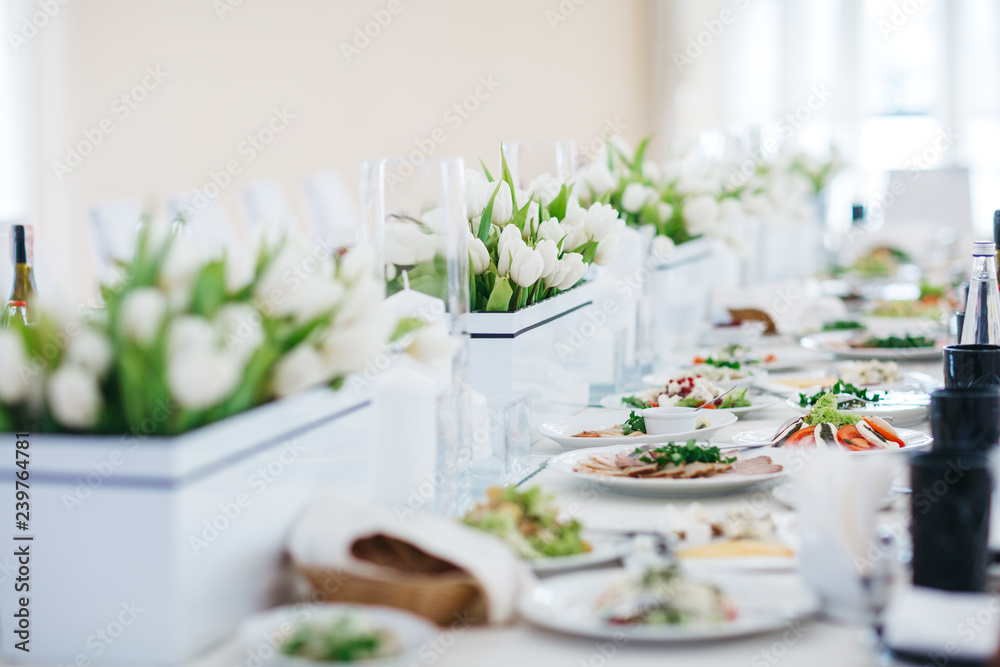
18, 306
982, 308
996, 235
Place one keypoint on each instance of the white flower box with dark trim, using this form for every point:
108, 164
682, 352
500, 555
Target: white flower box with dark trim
150, 551
542, 351
679, 297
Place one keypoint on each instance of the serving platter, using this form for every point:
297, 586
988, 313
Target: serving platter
666, 487
900, 408
836, 343
564, 430
757, 402
914, 440
764, 602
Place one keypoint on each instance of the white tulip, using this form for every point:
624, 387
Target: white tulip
545, 188
571, 269
356, 264
14, 368
406, 245
503, 205
665, 211
551, 230
526, 267
359, 303
315, 297
477, 193
533, 216
575, 214
599, 221
550, 256
179, 271
142, 313
507, 253
431, 344
241, 269
575, 237
199, 379
607, 249
241, 328
700, 214
662, 245
652, 171
509, 242
597, 178
479, 256
190, 334
635, 197
90, 350
348, 348
300, 369
74, 397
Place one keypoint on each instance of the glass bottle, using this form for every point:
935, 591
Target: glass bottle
982, 310
17, 308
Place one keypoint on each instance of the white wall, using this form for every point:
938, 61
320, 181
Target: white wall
225, 74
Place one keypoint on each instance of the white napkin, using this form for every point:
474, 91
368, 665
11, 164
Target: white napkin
838, 495
323, 535
952, 625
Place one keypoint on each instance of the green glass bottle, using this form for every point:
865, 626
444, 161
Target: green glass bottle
18, 310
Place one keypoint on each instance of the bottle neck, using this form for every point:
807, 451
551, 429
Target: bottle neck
24, 283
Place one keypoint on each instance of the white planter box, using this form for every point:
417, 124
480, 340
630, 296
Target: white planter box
542, 351
679, 297
149, 552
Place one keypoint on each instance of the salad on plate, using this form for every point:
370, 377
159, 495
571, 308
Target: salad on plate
688, 391
528, 521
346, 638
828, 427
658, 593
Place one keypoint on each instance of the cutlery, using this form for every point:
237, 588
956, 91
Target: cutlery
537, 470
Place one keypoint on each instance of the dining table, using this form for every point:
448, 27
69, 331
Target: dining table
816, 642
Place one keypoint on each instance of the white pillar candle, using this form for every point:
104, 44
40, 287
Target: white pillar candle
404, 407
417, 305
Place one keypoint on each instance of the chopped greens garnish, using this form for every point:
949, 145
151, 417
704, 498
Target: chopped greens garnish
897, 342
722, 363
675, 454
339, 640
634, 424
841, 387
635, 402
843, 325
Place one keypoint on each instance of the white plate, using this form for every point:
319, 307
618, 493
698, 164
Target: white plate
411, 630
661, 379
901, 408
835, 342
563, 430
660, 487
914, 440
764, 602
760, 402
604, 549
911, 381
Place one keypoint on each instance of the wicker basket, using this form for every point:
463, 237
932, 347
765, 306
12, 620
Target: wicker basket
391, 572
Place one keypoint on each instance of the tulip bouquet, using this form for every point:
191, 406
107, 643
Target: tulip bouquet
185, 340
682, 199
525, 246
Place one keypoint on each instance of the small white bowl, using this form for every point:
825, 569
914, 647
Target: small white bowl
664, 421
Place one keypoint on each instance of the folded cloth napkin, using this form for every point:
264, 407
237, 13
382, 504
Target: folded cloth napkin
838, 495
943, 626
326, 533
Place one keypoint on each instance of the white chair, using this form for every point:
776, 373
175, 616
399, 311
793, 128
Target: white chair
331, 210
114, 225
204, 221
266, 206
